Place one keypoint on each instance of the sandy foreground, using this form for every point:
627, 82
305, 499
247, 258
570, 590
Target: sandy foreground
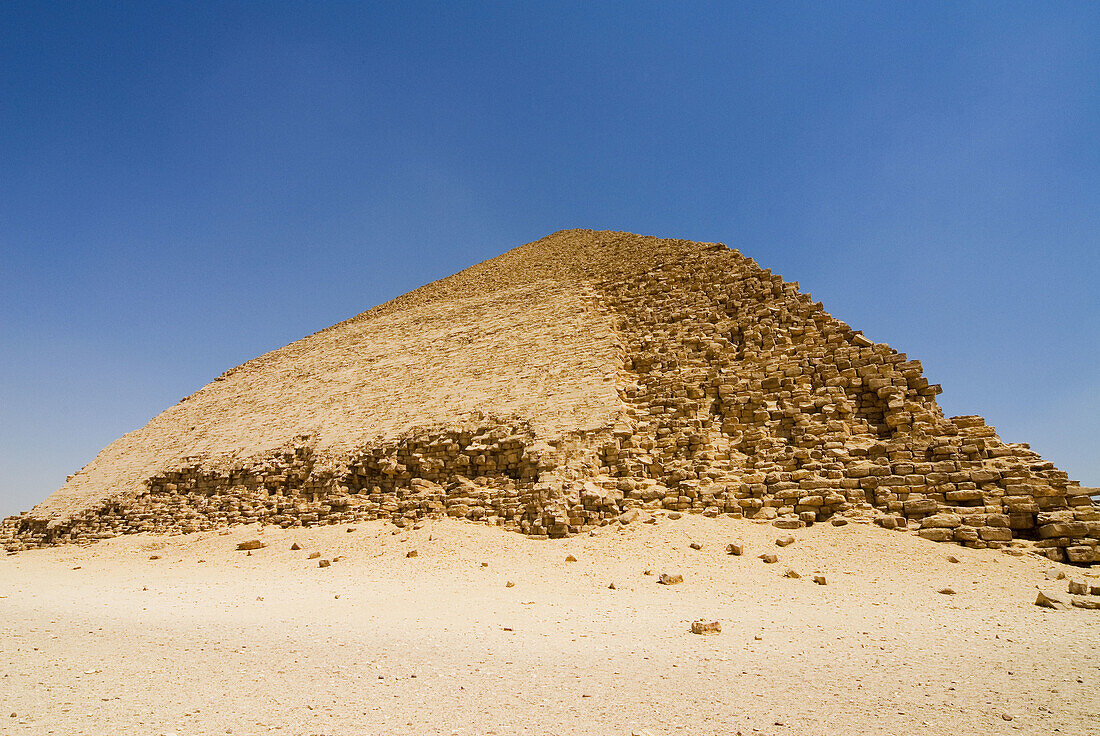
208, 640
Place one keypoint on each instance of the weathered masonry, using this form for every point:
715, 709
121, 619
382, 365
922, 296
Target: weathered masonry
565, 382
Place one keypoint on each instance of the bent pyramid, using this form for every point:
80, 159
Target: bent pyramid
560, 385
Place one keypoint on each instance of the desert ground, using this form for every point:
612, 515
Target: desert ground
186, 635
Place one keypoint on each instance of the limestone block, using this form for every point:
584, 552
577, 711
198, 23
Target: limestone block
941, 521
1071, 529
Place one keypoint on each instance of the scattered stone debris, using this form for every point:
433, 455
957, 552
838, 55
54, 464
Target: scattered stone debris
791, 574
769, 558
735, 548
411, 553
251, 544
695, 545
351, 529
670, 579
784, 541
154, 557
674, 515
611, 586
509, 584
820, 580
1085, 603
1055, 574
788, 523
839, 521
952, 558
313, 555
629, 516
570, 558
706, 627
1045, 601
323, 563
1076, 587
947, 591
295, 547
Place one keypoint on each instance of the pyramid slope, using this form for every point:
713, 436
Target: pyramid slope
561, 384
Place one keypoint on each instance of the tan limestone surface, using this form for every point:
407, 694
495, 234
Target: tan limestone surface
562, 384
104, 639
536, 351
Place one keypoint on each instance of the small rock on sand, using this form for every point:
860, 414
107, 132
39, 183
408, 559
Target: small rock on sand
1045, 601
695, 545
251, 544
735, 548
785, 541
706, 627
411, 553
670, 579
820, 580
946, 591
570, 558
295, 547
791, 574
769, 558
323, 563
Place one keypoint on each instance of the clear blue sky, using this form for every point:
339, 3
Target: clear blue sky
186, 186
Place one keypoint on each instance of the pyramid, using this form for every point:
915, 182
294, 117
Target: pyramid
558, 387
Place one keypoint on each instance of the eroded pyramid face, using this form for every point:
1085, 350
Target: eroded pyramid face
563, 384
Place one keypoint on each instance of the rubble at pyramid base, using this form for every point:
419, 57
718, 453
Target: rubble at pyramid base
737, 395
946, 500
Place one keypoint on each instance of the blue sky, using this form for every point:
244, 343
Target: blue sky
186, 186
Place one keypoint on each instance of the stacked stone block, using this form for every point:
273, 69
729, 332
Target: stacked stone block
739, 395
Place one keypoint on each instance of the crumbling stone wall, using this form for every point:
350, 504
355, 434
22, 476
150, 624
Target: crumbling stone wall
748, 398
739, 395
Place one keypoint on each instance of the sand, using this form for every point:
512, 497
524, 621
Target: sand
208, 640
